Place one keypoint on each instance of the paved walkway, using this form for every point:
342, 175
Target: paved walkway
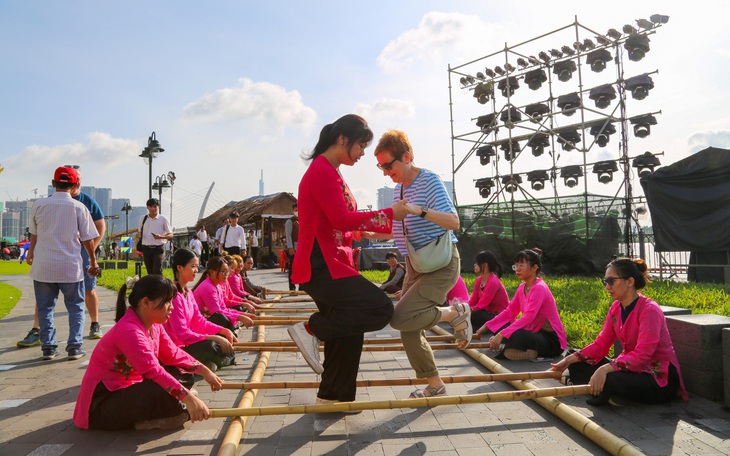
37, 400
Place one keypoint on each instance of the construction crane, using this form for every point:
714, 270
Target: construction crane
35, 192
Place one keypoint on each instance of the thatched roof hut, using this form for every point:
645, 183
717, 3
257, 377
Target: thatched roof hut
251, 211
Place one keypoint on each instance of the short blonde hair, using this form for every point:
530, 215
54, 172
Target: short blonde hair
394, 142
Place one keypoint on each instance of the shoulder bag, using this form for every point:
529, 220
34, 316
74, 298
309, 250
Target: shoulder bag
140, 246
434, 255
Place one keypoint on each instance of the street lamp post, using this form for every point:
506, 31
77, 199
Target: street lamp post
126, 209
150, 152
161, 183
171, 178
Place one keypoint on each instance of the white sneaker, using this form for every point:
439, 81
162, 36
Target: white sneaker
308, 345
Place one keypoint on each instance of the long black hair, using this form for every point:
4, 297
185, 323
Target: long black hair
181, 257
628, 268
532, 257
351, 126
152, 287
485, 256
214, 265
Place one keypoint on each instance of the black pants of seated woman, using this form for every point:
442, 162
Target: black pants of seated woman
636, 386
480, 317
221, 320
207, 351
546, 343
348, 308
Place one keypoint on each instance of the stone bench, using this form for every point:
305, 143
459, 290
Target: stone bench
698, 342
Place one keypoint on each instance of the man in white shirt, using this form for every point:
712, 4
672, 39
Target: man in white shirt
234, 237
218, 246
253, 245
196, 246
155, 231
59, 225
203, 238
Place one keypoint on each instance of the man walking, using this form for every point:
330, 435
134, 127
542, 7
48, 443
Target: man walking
203, 238
234, 237
58, 225
155, 231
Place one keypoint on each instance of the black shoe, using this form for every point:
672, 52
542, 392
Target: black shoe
597, 401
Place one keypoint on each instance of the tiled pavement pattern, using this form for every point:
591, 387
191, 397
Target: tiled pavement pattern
37, 400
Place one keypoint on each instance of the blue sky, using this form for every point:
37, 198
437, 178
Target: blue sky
231, 88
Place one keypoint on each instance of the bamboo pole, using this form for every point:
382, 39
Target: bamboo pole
229, 445
498, 396
401, 381
243, 347
285, 292
603, 438
285, 301
288, 310
265, 320
383, 340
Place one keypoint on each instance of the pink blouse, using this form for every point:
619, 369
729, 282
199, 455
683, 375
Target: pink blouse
493, 298
128, 354
229, 297
647, 346
458, 292
186, 324
235, 282
536, 308
211, 299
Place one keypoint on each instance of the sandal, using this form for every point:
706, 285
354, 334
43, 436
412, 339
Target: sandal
464, 316
432, 392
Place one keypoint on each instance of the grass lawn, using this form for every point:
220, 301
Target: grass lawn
13, 267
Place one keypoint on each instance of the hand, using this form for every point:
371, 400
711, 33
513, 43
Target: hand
247, 322
399, 210
495, 342
480, 331
29, 258
250, 305
413, 209
563, 364
197, 409
598, 380
226, 345
255, 300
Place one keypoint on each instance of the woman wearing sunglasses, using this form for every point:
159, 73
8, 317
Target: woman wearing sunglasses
539, 331
647, 369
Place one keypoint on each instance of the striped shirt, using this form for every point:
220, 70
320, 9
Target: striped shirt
427, 189
58, 222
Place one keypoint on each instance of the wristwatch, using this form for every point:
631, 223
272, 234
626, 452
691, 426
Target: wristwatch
424, 211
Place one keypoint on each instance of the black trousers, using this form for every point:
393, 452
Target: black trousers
207, 351
480, 317
204, 254
153, 258
120, 409
348, 308
290, 260
637, 386
235, 250
546, 343
221, 320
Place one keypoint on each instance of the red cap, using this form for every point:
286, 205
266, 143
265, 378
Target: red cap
66, 174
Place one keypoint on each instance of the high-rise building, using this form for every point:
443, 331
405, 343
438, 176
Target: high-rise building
11, 225
385, 197
22, 208
261, 184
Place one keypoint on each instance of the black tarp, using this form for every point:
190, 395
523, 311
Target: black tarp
689, 203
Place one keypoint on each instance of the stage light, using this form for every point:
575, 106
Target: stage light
629, 29
485, 154
568, 139
513, 85
602, 40
567, 50
543, 56
555, 53
537, 179
522, 62
510, 116
578, 46
569, 103
602, 95
484, 185
486, 122
638, 46
602, 133
564, 69
642, 125
538, 143
509, 67
489, 72
480, 76
571, 175
605, 170
463, 81
646, 25
588, 44
483, 92
645, 164
510, 148
613, 34
511, 182
639, 86
659, 18
535, 78
536, 110
597, 59
499, 70
533, 60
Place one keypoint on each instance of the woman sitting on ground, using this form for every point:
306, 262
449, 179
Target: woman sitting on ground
249, 286
207, 342
394, 282
539, 331
211, 299
489, 296
235, 282
232, 300
125, 384
647, 369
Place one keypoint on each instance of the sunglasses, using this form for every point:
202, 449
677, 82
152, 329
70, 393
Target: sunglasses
387, 166
610, 281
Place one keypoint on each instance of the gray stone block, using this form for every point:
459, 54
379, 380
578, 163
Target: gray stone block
706, 360
727, 393
700, 330
709, 385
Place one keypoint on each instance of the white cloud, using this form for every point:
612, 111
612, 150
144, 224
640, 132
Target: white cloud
268, 105
386, 108
440, 36
714, 138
